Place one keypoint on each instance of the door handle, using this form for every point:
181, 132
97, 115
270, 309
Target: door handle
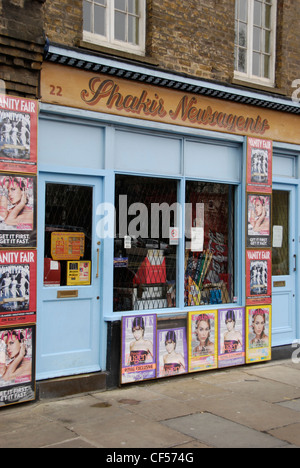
295, 257
98, 263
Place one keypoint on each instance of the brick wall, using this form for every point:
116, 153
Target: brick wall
194, 37
21, 46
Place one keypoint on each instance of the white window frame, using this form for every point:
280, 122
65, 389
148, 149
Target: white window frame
248, 76
109, 41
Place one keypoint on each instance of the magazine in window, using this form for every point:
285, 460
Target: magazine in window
17, 365
172, 358
258, 330
17, 211
258, 277
17, 287
259, 221
203, 340
18, 134
138, 348
259, 165
232, 340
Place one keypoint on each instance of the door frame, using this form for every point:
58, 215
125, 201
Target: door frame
292, 187
64, 176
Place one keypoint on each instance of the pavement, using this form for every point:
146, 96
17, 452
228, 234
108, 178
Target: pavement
256, 406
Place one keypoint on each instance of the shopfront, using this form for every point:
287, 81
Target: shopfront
149, 183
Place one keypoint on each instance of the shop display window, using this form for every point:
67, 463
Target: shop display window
68, 235
145, 262
209, 254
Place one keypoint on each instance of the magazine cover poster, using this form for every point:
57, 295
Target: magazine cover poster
17, 287
172, 356
17, 211
258, 330
258, 277
259, 165
18, 134
17, 365
232, 339
203, 340
138, 348
258, 221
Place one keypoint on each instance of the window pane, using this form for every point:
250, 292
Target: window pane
133, 30
257, 13
133, 6
243, 35
69, 208
145, 267
242, 60
257, 39
243, 10
268, 16
267, 60
256, 70
87, 26
120, 26
267, 42
120, 5
100, 21
280, 217
209, 260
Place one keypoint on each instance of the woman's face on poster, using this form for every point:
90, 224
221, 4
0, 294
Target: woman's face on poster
170, 346
138, 333
14, 193
258, 325
202, 331
13, 347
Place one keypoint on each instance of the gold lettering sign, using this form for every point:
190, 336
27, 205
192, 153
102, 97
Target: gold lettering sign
66, 86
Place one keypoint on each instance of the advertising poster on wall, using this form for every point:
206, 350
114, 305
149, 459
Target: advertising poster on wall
259, 221
232, 339
18, 134
258, 330
203, 340
259, 165
17, 211
17, 287
172, 355
258, 277
138, 348
17, 365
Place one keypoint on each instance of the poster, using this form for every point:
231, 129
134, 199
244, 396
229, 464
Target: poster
17, 211
203, 339
258, 277
17, 287
259, 221
18, 134
232, 339
172, 356
67, 245
138, 348
259, 165
17, 365
258, 330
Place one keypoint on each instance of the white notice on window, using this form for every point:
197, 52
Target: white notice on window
277, 236
197, 239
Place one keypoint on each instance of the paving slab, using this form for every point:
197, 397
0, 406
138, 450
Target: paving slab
278, 373
220, 433
290, 434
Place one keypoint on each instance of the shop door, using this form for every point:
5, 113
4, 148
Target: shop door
284, 264
69, 283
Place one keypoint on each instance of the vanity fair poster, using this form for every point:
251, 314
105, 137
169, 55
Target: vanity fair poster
172, 355
258, 330
232, 339
258, 277
203, 340
17, 365
18, 134
259, 221
138, 348
17, 211
17, 287
259, 165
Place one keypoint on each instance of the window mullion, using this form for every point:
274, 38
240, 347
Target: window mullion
250, 37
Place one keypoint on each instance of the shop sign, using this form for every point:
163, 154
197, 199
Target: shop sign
66, 86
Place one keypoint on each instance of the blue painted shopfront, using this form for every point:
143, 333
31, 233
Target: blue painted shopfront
88, 149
